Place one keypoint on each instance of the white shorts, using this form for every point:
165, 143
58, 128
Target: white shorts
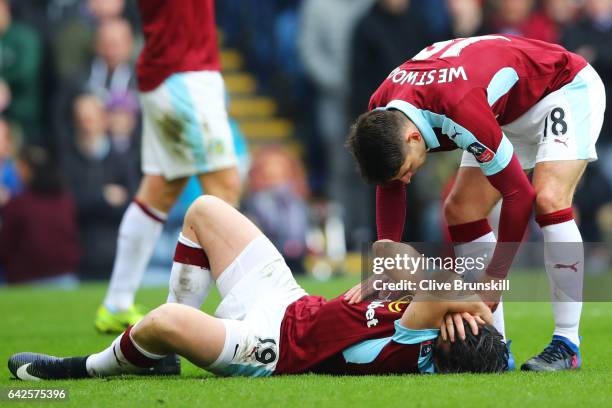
564, 125
256, 290
185, 126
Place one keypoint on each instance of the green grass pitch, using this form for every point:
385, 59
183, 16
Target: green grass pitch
61, 323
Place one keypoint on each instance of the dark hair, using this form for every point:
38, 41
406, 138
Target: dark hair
484, 353
46, 177
376, 142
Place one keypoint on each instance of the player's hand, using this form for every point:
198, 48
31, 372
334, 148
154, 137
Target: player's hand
452, 325
364, 290
361, 291
354, 295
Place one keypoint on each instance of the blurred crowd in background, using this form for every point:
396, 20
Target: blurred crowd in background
70, 122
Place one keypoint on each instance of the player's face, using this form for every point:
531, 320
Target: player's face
415, 156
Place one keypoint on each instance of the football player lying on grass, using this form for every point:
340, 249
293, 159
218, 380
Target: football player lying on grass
267, 324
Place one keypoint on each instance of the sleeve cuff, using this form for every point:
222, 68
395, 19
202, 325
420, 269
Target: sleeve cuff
500, 160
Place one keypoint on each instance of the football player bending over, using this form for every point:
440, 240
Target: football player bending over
266, 324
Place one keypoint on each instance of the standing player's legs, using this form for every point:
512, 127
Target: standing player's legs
224, 184
569, 121
555, 183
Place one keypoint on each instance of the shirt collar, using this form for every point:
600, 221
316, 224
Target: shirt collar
416, 116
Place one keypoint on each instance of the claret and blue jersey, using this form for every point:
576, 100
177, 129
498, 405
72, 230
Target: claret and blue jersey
460, 92
406, 351
336, 337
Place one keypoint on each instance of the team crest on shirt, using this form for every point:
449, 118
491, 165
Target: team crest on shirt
482, 153
426, 348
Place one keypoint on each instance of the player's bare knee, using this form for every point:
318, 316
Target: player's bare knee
454, 210
203, 208
159, 324
550, 200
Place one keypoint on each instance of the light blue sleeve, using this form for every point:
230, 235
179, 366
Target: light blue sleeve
490, 162
404, 335
500, 160
467, 141
366, 351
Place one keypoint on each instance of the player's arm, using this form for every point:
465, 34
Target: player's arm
390, 199
503, 170
427, 312
390, 210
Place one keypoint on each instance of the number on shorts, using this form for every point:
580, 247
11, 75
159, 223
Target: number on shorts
559, 126
267, 354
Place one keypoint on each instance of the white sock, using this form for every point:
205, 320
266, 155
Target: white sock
189, 284
138, 233
498, 319
112, 360
564, 259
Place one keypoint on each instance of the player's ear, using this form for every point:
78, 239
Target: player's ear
413, 136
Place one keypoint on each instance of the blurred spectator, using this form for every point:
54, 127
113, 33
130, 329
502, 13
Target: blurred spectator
38, 237
520, 17
277, 203
10, 183
112, 70
436, 16
20, 58
74, 38
561, 13
250, 25
467, 19
123, 110
389, 34
325, 39
103, 183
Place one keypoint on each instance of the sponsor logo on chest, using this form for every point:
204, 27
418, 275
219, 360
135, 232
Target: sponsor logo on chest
397, 306
370, 313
